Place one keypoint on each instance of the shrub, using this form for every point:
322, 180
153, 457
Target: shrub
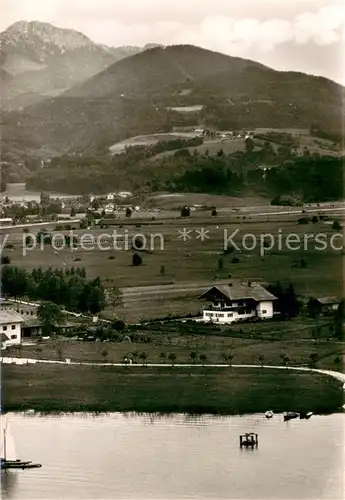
185, 212
119, 325
5, 260
136, 260
229, 249
235, 260
303, 220
182, 153
336, 225
214, 213
303, 263
111, 257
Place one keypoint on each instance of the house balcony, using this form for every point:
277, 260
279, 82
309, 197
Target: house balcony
226, 309
218, 308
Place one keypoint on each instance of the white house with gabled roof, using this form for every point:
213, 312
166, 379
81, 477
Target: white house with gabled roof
237, 301
10, 328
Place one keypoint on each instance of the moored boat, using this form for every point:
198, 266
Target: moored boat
9, 459
306, 416
290, 415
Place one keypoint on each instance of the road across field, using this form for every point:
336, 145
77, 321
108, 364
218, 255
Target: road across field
23, 361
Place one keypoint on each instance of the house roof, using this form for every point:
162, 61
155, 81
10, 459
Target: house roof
10, 317
328, 300
238, 291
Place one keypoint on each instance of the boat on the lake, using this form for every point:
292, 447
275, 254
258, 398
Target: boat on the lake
290, 415
8, 458
269, 414
306, 416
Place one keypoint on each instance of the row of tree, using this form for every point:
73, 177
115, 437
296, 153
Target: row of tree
69, 288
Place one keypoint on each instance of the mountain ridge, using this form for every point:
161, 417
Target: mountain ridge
140, 93
46, 60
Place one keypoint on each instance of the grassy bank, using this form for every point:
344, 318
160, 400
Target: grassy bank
157, 347
49, 388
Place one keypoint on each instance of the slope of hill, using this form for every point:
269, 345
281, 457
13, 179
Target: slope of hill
133, 97
46, 60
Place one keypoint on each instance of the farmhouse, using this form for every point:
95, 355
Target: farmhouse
236, 302
10, 328
327, 305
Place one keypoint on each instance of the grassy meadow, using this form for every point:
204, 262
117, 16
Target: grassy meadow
62, 388
175, 272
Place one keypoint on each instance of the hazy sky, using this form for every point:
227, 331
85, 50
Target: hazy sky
303, 35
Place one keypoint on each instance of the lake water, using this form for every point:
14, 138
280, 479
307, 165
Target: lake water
17, 192
179, 457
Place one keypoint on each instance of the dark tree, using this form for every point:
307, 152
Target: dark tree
313, 307
119, 325
313, 358
193, 356
339, 321
50, 315
136, 260
203, 358
250, 144
185, 212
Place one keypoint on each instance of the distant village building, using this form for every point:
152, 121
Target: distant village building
10, 328
125, 194
30, 325
326, 305
236, 302
6, 221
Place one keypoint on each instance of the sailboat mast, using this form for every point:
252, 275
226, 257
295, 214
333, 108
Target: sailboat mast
5, 445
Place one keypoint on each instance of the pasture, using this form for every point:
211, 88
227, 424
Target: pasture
148, 140
49, 388
182, 256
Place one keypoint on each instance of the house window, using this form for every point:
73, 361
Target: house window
230, 315
13, 327
264, 311
13, 337
4, 328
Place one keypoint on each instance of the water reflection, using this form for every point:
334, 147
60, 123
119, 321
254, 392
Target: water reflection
9, 481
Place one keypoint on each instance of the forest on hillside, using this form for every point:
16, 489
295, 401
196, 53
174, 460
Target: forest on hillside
268, 169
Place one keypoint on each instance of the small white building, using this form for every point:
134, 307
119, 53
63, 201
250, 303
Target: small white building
10, 328
6, 221
236, 302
